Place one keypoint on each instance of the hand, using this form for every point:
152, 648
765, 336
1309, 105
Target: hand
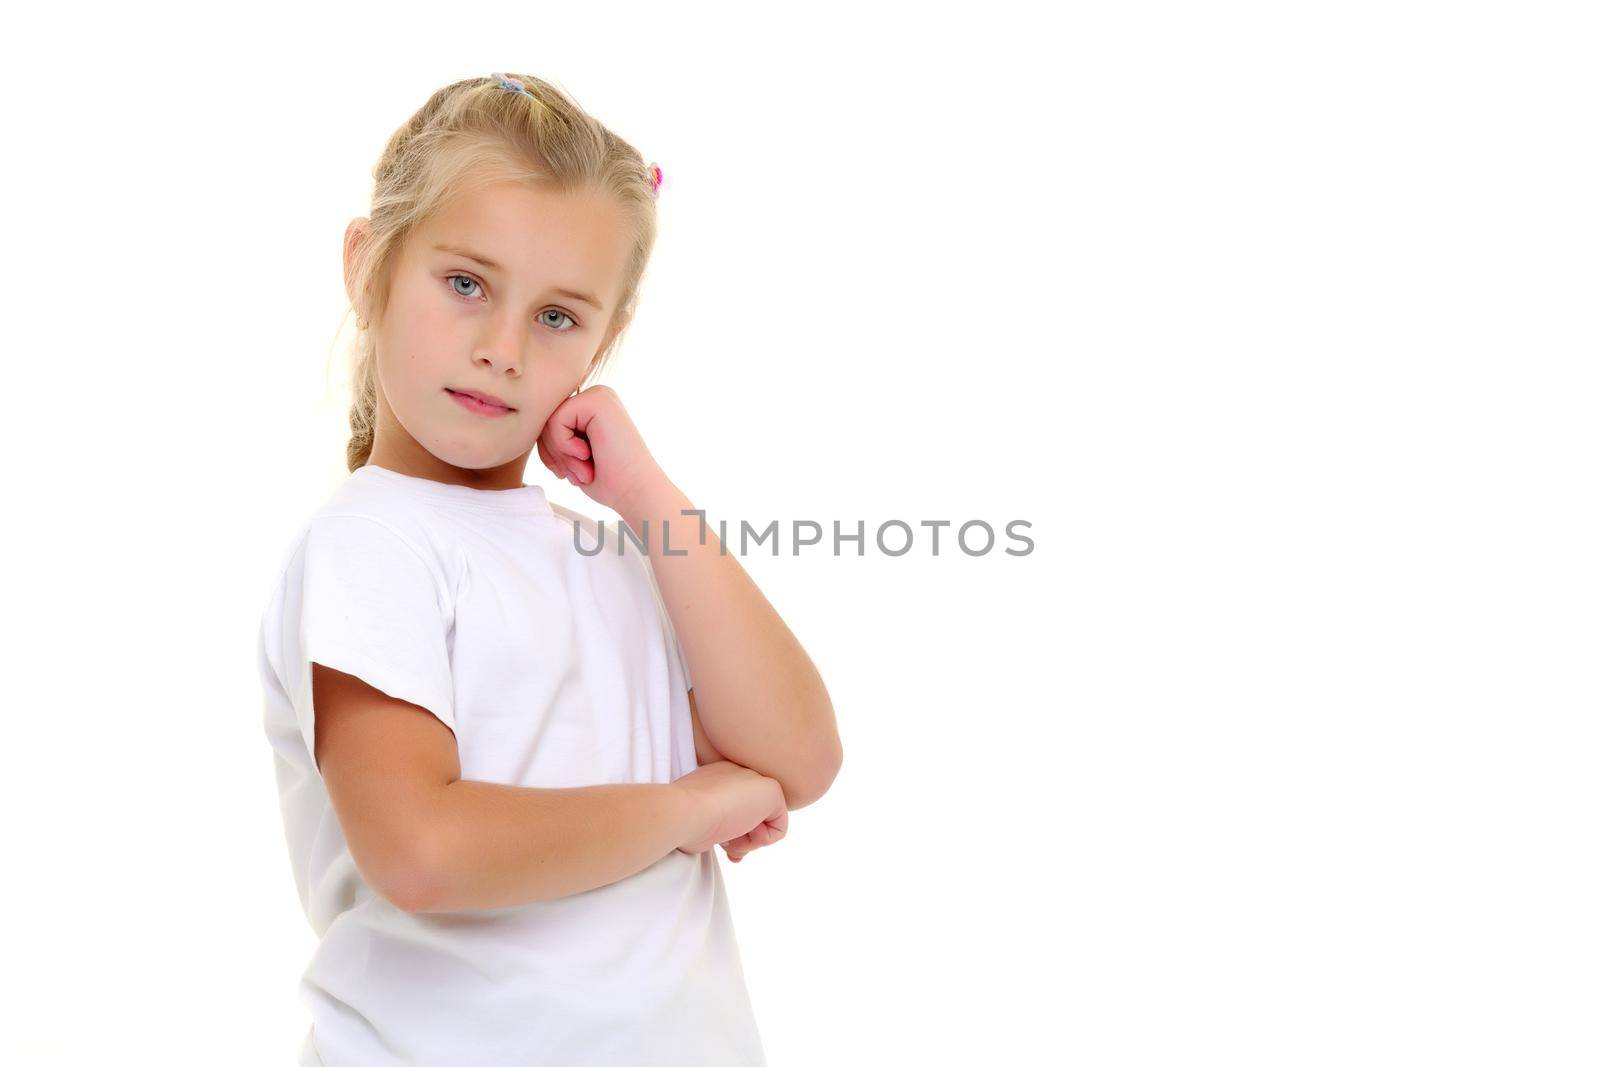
770, 832
746, 810
590, 441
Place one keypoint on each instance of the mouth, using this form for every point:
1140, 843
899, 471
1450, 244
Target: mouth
482, 403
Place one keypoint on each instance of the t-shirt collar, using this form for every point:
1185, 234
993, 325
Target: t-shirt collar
527, 498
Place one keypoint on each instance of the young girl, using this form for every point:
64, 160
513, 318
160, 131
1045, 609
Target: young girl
499, 791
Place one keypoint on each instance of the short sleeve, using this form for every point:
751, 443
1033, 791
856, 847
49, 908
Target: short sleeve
363, 600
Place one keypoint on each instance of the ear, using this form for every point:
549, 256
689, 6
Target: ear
354, 236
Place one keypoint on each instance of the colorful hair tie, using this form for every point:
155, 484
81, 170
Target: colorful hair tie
655, 178
511, 84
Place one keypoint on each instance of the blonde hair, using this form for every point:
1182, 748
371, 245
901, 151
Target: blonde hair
475, 132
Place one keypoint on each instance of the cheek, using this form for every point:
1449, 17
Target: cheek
420, 339
432, 315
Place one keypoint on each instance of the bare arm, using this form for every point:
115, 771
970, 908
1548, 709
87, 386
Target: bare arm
430, 841
495, 845
761, 701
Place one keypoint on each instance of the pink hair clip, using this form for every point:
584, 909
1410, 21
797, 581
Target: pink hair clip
655, 178
510, 84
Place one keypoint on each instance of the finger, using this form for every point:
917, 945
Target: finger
576, 446
761, 835
743, 846
547, 460
582, 470
566, 433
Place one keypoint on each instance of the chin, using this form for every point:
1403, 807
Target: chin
470, 455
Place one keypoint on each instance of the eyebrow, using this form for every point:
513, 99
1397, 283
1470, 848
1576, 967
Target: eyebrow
465, 253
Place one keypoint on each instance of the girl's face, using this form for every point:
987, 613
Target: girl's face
510, 292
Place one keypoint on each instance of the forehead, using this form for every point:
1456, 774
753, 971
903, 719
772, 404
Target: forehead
538, 235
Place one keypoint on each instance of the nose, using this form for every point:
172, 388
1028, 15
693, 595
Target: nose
500, 347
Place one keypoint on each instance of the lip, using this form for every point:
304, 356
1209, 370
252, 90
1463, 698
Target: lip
482, 403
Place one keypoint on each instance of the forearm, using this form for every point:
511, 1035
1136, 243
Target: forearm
760, 699
491, 845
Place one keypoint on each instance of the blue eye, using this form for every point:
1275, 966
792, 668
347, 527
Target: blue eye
572, 322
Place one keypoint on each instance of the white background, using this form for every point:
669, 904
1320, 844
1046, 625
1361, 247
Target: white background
1277, 322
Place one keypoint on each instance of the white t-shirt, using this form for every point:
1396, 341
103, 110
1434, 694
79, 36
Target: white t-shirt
554, 668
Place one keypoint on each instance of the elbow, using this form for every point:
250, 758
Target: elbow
821, 771
412, 881
410, 894
821, 767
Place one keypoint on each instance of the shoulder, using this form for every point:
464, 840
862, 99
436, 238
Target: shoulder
570, 518
360, 548
359, 534
367, 505
605, 545
330, 538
